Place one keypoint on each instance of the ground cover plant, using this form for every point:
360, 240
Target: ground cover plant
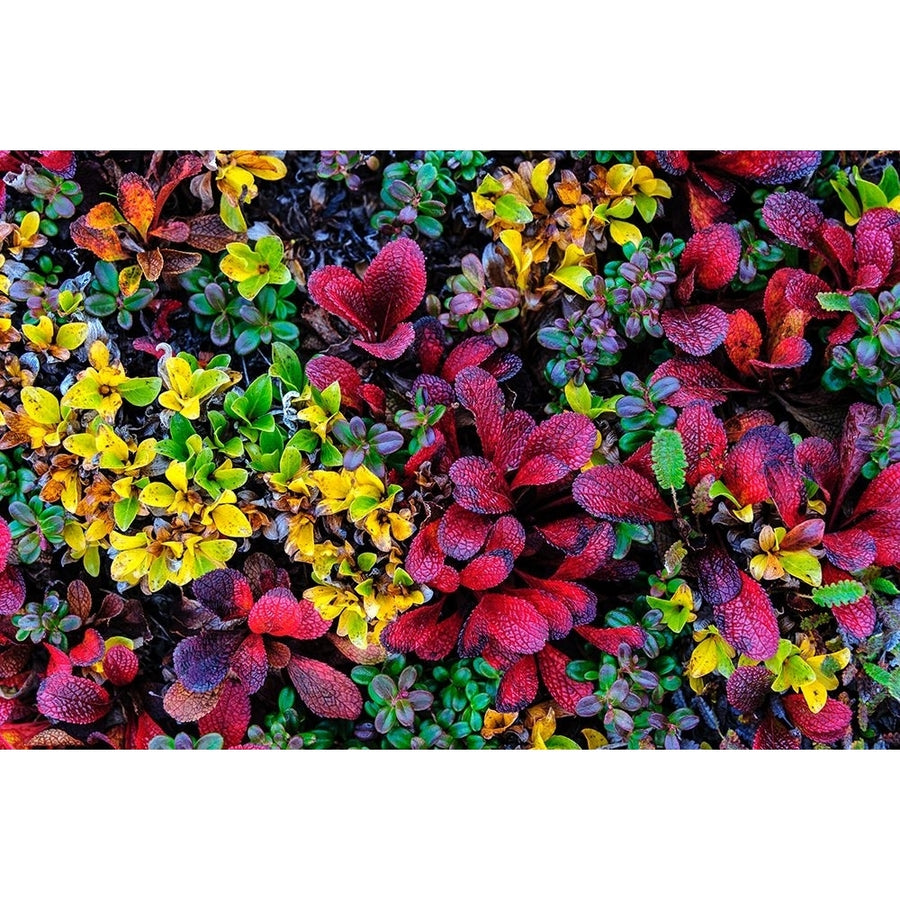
449, 449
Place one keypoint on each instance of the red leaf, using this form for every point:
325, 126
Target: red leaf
859, 417
596, 553
461, 533
748, 687
830, 724
618, 493
479, 487
327, 692
744, 470
570, 534
718, 578
58, 661
773, 735
519, 686
791, 353
857, 618
203, 660
697, 330
420, 631
425, 557
472, 351
567, 436
392, 347
563, 689
487, 571
394, 285
77, 701
818, 460
609, 639
785, 486
884, 528
12, 590
699, 380
882, 493
768, 166
224, 592
540, 470
120, 665
794, 218
251, 662
506, 533
851, 550
6, 543
510, 622
704, 441
339, 292
277, 613
481, 395
231, 716
705, 209
324, 370
712, 255
557, 614
509, 446
140, 733
90, 650
747, 621
581, 601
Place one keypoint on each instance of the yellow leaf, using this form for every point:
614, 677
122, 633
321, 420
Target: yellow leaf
594, 739
157, 494
540, 176
624, 232
81, 445
619, 176
230, 521
83, 394
130, 280
71, 335
40, 405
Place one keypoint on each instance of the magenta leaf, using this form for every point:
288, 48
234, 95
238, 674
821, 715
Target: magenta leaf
326, 691
68, 698
618, 493
697, 330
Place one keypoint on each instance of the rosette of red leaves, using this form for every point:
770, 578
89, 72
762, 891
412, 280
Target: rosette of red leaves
252, 624
378, 305
510, 550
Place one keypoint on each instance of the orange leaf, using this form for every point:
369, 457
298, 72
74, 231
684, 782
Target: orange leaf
743, 341
103, 216
103, 244
151, 264
137, 202
185, 706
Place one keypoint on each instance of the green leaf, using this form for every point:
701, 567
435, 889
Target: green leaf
646, 206
561, 742
124, 512
871, 195
140, 391
578, 398
890, 183
850, 202
669, 461
839, 594
286, 367
877, 674
833, 302
511, 209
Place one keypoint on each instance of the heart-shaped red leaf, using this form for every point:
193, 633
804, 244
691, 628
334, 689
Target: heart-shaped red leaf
461, 532
487, 571
120, 665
